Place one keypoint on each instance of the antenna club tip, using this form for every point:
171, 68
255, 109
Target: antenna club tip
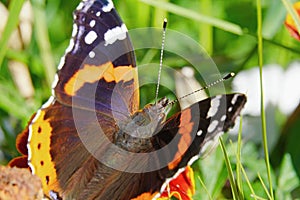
230, 75
165, 23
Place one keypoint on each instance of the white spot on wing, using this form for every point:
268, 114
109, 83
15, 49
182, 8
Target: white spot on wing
92, 23
218, 97
92, 54
33, 121
223, 118
212, 126
90, 37
98, 13
210, 144
53, 195
80, 6
233, 100
199, 133
108, 7
114, 34
75, 30
70, 47
55, 81
61, 63
50, 101
206, 146
53, 92
193, 159
63, 59
214, 106
29, 164
230, 109
30, 132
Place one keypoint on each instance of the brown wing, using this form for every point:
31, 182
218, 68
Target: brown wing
62, 149
98, 71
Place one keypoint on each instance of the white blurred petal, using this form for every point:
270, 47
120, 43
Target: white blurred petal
289, 97
279, 87
186, 83
26, 18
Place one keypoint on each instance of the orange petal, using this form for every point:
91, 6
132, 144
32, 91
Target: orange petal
145, 196
182, 187
290, 24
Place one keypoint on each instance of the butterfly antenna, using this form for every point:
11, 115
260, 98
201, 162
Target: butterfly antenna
228, 76
161, 58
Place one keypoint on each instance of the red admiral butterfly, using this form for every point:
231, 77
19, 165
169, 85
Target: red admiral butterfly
90, 141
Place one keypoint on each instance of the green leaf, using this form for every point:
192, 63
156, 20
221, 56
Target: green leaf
287, 179
213, 175
273, 20
15, 7
224, 25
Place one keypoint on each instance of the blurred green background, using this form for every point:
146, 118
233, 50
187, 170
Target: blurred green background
226, 29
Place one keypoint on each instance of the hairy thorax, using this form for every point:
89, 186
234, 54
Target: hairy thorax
135, 134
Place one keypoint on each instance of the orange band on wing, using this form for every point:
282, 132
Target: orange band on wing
39, 153
93, 73
186, 126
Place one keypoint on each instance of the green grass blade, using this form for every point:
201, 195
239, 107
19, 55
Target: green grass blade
12, 102
263, 115
15, 7
205, 188
206, 30
272, 21
42, 38
247, 180
149, 56
264, 185
159, 15
221, 24
234, 189
258, 197
238, 159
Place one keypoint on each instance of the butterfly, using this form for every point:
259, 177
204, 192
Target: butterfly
91, 141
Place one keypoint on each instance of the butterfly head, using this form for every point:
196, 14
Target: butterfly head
144, 124
158, 111
149, 118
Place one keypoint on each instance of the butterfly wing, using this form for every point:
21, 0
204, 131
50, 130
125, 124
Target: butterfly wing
64, 160
98, 71
181, 140
186, 135
95, 87
197, 125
